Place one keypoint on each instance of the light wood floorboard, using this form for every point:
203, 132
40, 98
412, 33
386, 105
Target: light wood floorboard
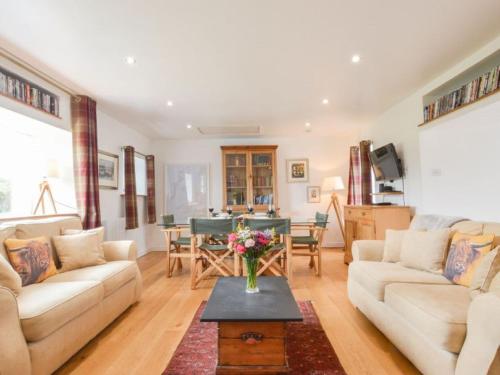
143, 339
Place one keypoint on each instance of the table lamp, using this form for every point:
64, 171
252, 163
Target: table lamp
52, 172
332, 185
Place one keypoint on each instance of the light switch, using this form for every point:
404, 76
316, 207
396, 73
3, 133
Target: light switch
436, 172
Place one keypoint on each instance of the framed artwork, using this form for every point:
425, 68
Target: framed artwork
297, 170
108, 170
313, 194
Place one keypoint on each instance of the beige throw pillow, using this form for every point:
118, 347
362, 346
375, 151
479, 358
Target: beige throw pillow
485, 272
99, 231
425, 250
392, 245
78, 250
9, 278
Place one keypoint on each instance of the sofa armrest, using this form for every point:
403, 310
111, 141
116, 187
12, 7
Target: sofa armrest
483, 336
119, 250
14, 353
372, 250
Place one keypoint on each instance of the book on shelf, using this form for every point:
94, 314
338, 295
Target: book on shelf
468, 93
22, 90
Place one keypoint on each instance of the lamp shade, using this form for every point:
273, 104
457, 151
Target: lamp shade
52, 168
332, 184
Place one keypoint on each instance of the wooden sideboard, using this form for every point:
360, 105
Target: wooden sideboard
370, 223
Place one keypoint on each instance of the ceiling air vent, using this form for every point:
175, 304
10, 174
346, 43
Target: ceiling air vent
230, 131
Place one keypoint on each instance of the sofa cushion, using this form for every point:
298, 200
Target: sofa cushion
439, 312
79, 250
425, 250
47, 228
392, 245
9, 278
374, 276
45, 307
112, 275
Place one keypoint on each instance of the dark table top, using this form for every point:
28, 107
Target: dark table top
230, 303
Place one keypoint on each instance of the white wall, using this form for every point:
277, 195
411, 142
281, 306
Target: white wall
327, 156
459, 159
399, 125
112, 135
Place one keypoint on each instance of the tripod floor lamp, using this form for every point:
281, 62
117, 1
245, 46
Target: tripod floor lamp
332, 185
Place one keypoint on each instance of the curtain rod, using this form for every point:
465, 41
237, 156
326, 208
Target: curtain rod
30, 68
135, 151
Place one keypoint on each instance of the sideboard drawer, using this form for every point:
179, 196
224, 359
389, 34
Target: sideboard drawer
357, 213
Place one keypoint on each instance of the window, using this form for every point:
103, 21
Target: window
140, 174
32, 152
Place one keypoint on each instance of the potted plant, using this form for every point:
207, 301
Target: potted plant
251, 245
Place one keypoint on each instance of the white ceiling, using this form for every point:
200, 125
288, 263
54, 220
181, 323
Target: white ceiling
246, 62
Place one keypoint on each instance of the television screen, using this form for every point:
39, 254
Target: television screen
386, 164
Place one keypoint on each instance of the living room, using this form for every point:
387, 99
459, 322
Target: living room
244, 187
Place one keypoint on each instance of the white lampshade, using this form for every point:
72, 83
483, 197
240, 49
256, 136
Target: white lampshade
333, 183
52, 168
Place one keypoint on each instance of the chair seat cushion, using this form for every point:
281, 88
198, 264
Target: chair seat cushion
375, 276
45, 307
213, 247
182, 241
304, 240
112, 275
439, 312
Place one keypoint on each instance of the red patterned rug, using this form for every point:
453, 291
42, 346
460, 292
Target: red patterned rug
308, 348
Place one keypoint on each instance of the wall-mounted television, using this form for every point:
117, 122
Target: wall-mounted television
386, 163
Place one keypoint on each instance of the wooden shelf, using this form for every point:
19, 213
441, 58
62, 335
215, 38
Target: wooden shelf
29, 105
496, 91
388, 193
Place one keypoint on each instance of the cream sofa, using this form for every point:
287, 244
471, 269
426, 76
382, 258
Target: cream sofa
50, 321
433, 322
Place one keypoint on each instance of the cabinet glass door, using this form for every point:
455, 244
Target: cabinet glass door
236, 179
262, 178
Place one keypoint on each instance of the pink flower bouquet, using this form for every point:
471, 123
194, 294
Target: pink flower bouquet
251, 245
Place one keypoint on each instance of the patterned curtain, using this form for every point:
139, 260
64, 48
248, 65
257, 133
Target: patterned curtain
151, 199
84, 130
366, 172
131, 221
354, 189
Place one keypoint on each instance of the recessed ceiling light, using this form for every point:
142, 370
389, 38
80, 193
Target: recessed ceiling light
308, 124
130, 60
189, 126
170, 103
355, 59
325, 101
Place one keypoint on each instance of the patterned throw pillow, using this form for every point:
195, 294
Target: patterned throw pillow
31, 258
465, 255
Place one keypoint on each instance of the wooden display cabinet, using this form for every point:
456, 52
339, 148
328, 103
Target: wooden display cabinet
249, 177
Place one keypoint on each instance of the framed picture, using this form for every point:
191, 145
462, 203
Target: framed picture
297, 170
313, 194
108, 170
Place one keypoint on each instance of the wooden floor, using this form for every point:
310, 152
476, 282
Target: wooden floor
144, 338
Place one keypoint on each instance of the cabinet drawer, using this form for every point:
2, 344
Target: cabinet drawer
357, 213
236, 329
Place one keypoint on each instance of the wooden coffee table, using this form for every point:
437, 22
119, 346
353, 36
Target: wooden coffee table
252, 329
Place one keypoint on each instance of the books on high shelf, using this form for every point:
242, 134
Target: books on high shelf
22, 90
483, 85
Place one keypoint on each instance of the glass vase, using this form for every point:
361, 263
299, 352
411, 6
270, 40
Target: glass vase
252, 265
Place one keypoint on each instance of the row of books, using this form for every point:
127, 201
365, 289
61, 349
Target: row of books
25, 92
262, 181
487, 83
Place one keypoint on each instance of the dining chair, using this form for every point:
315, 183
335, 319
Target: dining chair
311, 243
178, 247
278, 260
208, 258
